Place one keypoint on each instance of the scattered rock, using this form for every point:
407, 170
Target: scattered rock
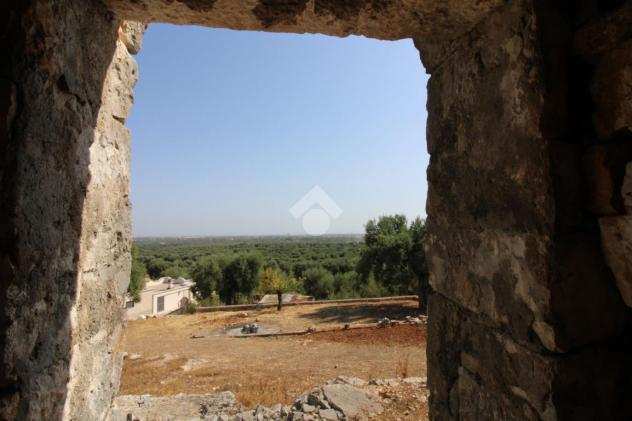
351, 401
384, 322
193, 363
416, 320
181, 406
250, 328
307, 408
329, 414
245, 416
384, 382
297, 415
353, 381
317, 399
286, 410
340, 399
415, 380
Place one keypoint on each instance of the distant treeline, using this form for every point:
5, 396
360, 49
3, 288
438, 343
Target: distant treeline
387, 260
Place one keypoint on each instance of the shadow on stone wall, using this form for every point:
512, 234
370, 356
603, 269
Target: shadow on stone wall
56, 58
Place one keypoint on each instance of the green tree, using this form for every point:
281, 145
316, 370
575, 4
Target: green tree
345, 284
137, 275
393, 253
176, 271
417, 261
156, 267
318, 282
371, 288
274, 281
207, 276
241, 276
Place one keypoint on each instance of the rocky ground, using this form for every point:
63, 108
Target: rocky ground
344, 398
192, 354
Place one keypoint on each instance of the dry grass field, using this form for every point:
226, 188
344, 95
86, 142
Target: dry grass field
192, 353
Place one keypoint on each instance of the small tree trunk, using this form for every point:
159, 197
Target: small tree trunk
280, 300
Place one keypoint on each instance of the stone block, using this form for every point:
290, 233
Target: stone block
602, 30
468, 361
612, 92
616, 238
478, 372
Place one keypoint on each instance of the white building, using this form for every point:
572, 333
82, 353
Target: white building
160, 297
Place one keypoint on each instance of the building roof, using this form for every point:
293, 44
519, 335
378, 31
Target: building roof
166, 283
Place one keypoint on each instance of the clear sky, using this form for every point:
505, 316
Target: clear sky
230, 129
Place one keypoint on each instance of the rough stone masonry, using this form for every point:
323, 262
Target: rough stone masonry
529, 203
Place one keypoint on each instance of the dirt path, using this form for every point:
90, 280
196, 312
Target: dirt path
269, 370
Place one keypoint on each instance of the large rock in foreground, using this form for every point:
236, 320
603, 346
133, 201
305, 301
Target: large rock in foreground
351, 401
178, 407
344, 398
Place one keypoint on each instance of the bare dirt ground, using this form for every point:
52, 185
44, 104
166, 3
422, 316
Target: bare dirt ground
172, 358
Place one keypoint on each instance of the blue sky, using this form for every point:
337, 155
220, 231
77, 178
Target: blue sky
230, 129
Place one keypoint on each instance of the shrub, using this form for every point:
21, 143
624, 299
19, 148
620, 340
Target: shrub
318, 282
210, 301
190, 308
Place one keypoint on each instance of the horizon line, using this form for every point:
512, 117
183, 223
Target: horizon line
246, 235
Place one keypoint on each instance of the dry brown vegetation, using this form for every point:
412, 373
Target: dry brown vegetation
275, 369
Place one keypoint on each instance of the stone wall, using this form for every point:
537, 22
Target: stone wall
526, 321
64, 208
530, 194
382, 19
603, 49
105, 245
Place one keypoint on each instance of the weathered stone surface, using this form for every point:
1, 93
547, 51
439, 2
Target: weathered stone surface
328, 414
488, 221
616, 234
105, 243
383, 19
65, 214
602, 32
612, 92
149, 408
460, 347
351, 401
353, 381
480, 373
509, 243
118, 96
131, 34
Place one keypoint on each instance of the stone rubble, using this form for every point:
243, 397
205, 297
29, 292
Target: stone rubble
384, 322
344, 398
250, 328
